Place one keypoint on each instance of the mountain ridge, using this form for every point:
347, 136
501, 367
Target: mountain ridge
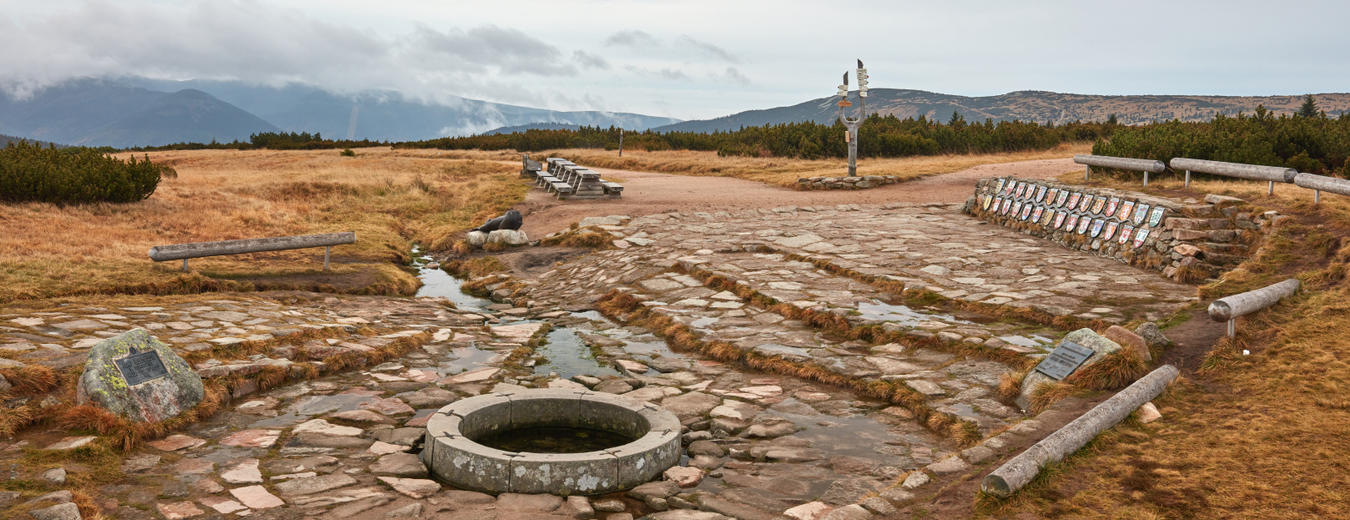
1025, 105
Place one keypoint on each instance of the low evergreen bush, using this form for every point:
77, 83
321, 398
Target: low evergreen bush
31, 172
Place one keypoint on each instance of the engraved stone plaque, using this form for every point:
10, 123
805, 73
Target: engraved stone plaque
141, 367
1066, 358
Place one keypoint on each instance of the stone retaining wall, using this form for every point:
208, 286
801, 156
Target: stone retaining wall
1187, 240
845, 183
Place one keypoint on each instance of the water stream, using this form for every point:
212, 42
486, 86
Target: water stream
568, 355
438, 283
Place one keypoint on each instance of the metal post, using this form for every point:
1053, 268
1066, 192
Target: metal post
1145, 177
1232, 328
326, 251
1188, 178
1317, 197
1087, 172
1271, 191
185, 268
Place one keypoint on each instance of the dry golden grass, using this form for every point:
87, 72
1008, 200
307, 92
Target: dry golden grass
390, 198
1258, 436
785, 171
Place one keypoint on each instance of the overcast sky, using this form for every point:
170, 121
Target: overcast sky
687, 59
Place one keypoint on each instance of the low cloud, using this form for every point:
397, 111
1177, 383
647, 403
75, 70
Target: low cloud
707, 48
735, 76
588, 60
633, 38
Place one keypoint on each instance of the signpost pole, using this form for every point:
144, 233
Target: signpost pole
620, 142
853, 123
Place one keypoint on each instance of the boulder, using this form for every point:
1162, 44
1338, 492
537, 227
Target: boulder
511, 220
1100, 346
1153, 335
509, 237
1133, 341
476, 238
172, 387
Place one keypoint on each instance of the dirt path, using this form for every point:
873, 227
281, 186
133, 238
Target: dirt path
646, 193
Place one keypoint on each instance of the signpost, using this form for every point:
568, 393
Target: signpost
852, 124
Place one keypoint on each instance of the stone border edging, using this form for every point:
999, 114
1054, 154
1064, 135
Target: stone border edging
1020, 470
861, 182
452, 455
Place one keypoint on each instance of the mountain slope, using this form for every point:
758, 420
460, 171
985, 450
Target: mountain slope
1036, 106
181, 117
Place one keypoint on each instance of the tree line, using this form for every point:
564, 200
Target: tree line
879, 136
1307, 141
271, 141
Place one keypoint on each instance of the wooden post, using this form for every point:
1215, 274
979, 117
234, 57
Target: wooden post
326, 251
1087, 172
185, 267
620, 142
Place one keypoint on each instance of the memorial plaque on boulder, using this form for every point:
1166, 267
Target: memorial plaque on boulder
1066, 358
138, 377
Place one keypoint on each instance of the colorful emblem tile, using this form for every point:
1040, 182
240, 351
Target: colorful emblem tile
1070, 222
1083, 223
1050, 197
1125, 234
1007, 203
1111, 206
1049, 217
987, 200
1126, 209
1097, 227
1097, 205
1036, 215
1073, 200
1063, 195
1111, 227
1040, 193
1026, 212
1007, 190
1086, 204
1016, 208
1001, 182
1156, 216
1021, 189
1140, 236
1140, 213
1059, 220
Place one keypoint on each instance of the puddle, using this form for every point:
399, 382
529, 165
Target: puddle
568, 356
1035, 341
468, 358
877, 310
437, 283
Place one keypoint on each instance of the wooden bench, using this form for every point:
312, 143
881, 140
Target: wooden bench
529, 168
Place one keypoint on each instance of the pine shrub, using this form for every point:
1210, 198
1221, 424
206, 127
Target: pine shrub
33, 173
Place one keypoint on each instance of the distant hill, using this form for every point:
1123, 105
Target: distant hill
1039, 106
388, 115
6, 139
531, 126
102, 113
134, 111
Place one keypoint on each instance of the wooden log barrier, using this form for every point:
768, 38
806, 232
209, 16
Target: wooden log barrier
1270, 174
251, 245
1229, 308
1020, 470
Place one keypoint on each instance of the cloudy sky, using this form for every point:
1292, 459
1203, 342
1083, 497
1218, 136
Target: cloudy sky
686, 59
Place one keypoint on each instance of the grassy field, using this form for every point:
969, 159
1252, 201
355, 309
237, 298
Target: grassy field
390, 198
1264, 435
785, 172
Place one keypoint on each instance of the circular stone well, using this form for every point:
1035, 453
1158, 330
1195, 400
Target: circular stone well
453, 454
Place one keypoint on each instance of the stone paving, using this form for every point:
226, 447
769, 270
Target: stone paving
757, 445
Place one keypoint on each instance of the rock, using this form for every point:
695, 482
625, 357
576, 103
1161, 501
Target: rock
245, 472
809, 511
616, 386
413, 487
631, 367
311, 485
508, 237
609, 505
70, 443
176, 442
1149, 413
103, 384
580, 507
66, 511
1129, 340
915, 479
528, 503
657, 489
256, 497
691, 405
708, 448
55, 475
252, 438
684, 476
179, 510
1152, 335
476, 238
896, 495
223, 506
771, 430
952, 464
413, 510
620, 516
849, 512
322, 427
399, 465
977, 454
1100, 346
362, 416
687, 514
